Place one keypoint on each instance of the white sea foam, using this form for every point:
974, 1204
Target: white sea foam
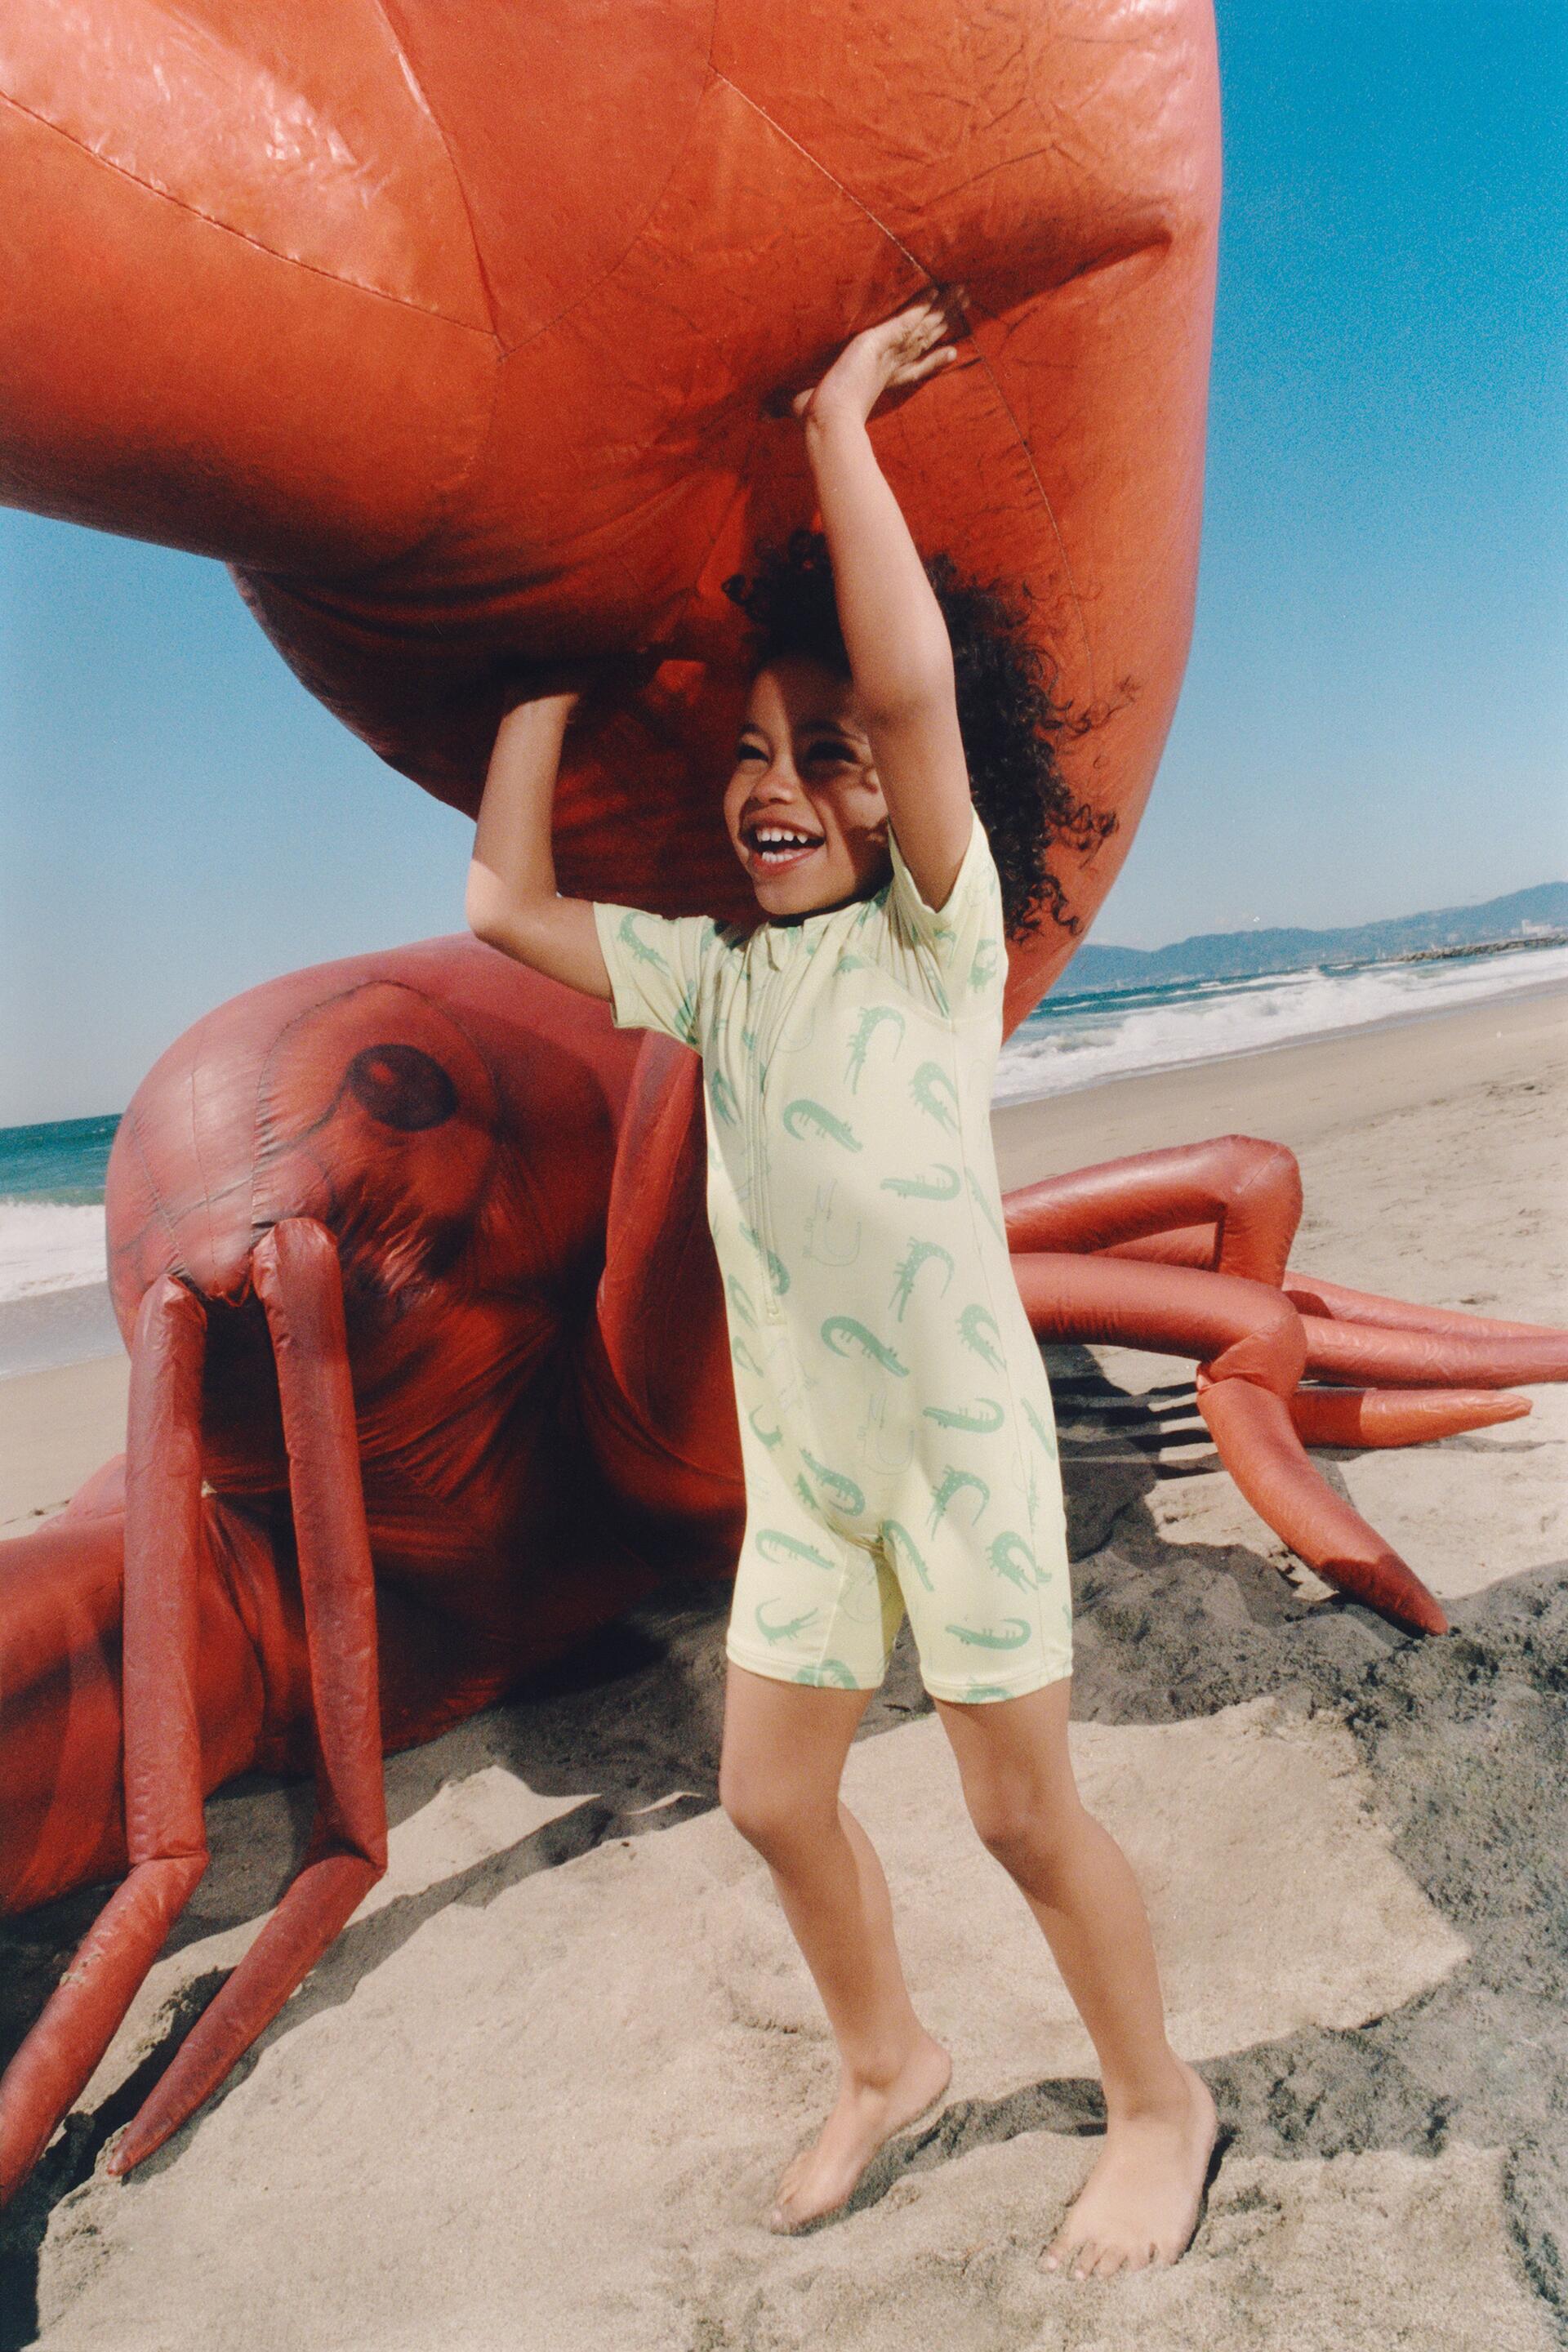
1093, 1038
45, 1246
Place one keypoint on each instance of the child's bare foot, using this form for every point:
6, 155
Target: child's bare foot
819, 2182
1140, 2204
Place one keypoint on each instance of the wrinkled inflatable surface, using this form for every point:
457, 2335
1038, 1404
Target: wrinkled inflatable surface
455, 331
459, 332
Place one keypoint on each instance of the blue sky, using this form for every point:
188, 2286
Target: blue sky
1375, 716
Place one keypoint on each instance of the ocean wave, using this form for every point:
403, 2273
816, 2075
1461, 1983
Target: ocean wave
49, 1245
1087, 1040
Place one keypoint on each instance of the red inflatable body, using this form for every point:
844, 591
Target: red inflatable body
461, 334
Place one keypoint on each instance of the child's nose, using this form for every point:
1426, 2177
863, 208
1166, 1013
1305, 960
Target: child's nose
781, 772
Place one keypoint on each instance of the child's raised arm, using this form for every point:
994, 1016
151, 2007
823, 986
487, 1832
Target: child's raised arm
512, 900
892, 626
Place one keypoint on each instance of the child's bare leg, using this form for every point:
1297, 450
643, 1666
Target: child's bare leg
1140, 2203
785, 1746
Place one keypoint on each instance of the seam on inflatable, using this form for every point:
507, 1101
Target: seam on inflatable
588, 292
226, 228
159, 1205
915, 261
417, 87
195, 1137
504, 352
1006, 407
817, 166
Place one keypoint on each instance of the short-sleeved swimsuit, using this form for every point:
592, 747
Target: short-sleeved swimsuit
897, 1435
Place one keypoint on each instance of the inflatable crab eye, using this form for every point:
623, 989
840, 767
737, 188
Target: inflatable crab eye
402, 1088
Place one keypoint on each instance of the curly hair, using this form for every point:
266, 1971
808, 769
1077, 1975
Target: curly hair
1008, 715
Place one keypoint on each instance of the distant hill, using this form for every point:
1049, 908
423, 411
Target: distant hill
1239, 955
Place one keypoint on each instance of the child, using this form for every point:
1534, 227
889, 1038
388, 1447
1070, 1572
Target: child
895, 1420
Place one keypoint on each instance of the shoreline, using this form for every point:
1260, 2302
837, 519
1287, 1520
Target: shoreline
1412, 1016
1294, 1093
1282, 1091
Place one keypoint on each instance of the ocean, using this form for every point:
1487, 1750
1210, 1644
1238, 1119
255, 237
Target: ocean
53, 1302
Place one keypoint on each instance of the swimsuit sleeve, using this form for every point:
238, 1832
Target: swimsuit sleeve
657, 965
966, 938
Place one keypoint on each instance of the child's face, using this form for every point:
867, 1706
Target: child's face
803, 764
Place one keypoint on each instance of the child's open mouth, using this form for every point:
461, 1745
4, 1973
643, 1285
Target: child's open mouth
772, 848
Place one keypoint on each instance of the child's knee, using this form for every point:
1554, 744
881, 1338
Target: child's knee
772, 1810
1025, 1828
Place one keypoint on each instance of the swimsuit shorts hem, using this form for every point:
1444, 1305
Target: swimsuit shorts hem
979, 1692
775, 1669
974, 1693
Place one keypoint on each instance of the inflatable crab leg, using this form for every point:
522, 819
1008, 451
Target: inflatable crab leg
1354, 1335
1355, 1353
1374, 1417
1258, 1445
1249, 1342
1322, 1301
1244, 1191
1311, 1295
296, 1273
1192, 1245
1362, 1417
164, 1832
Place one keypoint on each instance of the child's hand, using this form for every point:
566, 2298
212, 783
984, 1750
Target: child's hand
903, 350
556, 682
565, 686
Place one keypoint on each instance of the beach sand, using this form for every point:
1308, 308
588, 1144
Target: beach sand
538, 2091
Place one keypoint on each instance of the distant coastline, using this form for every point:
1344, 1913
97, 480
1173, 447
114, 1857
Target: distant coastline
1482, 948
1534, 918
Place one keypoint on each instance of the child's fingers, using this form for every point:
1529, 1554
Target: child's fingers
932, 328
917, 370
941, 328
918, 313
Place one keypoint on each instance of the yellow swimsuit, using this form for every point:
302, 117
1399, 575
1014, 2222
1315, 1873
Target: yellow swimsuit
896, 1427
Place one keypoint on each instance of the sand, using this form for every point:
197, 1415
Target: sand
538, 2092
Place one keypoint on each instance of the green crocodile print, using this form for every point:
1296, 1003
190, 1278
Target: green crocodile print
896, 1435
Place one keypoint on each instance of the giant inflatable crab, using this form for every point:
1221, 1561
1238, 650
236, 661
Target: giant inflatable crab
464, 335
